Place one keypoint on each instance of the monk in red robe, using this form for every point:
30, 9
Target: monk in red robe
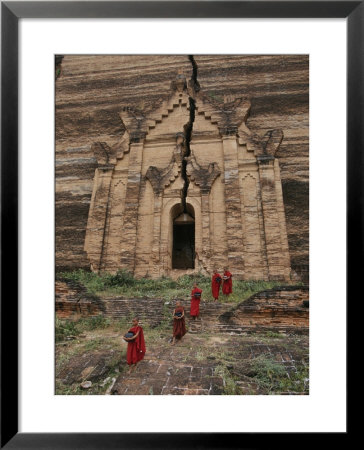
136, 345
215, 284
227, 283
179, 326
195, 301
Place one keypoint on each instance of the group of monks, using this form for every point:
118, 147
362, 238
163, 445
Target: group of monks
135, 336
226, 281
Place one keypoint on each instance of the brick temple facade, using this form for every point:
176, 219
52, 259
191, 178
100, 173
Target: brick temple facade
188, 188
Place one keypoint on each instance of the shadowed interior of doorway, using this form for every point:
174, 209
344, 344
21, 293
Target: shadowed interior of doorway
183, 254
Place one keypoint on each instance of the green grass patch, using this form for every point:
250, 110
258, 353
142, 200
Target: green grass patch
268, 373
65, 329
230, 386
297, 381
123, 284
96, 343
273, 334
93, 323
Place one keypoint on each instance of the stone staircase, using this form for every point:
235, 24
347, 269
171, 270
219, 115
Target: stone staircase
154, 311
283, 309
275, 310
148, 310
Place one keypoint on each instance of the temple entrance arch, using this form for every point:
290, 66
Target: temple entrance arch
183, 237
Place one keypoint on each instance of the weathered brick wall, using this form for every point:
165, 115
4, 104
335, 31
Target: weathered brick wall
282, 308
72, 300
91, 91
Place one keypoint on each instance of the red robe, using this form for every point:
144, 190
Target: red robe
227, 285
215, 285
195, 303
136, 347
179, 326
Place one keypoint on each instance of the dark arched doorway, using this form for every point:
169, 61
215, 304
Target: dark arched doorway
183, 251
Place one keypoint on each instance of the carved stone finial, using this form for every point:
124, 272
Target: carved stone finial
180, 138
272, 140
180, 82
161, 178
264, 147
104, 154
228, 115
123, 146
202, 176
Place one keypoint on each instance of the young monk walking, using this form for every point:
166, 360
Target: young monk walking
136, 345
195, 301
227, 284
215, 284
179, 326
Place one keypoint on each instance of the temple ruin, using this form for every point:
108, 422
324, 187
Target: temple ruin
186, 189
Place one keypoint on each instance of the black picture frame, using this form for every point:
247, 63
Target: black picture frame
11, 12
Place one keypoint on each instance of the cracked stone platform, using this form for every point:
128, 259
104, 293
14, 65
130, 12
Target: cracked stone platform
192, 366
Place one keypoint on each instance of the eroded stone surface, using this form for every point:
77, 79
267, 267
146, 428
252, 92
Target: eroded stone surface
90, 366
73, 300
92, 92
284, 308
188, 371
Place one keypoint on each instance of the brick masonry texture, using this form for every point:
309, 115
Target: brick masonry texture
283, 309
103, 156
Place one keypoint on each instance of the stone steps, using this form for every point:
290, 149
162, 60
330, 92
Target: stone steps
154, 310
281, 309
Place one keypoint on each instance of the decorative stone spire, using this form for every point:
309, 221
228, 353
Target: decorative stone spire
180, 82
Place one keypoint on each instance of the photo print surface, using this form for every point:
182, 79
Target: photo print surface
182, 224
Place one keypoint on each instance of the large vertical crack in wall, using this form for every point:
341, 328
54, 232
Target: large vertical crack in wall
188, 128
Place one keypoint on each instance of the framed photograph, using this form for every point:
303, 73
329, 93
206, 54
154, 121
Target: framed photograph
179, 220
